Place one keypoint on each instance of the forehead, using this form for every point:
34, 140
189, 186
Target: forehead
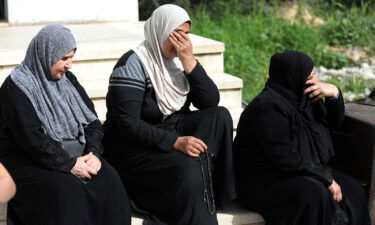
184, 27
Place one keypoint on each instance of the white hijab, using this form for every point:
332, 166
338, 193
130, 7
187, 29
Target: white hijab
166, 74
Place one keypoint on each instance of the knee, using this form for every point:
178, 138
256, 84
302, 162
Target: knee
223, 114
67, 187
313, 193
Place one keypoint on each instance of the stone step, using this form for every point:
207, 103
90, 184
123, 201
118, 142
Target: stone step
99, 46
233, 214
3, 214
230, 88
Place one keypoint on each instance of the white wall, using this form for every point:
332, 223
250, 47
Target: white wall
36, 11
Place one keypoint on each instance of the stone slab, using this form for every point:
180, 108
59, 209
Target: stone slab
94, 41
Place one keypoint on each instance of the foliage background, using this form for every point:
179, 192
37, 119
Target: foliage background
253, 31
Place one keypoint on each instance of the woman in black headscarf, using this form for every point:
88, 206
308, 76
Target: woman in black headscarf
50, 141
283, 145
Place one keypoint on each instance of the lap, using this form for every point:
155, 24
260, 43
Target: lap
193, 120
299, 189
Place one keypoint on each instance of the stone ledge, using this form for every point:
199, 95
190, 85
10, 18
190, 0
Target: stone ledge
94, 41
98, 88
233, 214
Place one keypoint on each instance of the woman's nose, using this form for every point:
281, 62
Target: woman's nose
69, 64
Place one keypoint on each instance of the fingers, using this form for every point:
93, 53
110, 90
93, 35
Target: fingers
191, 154
335, 190
200, 142
99, 166
197, 144
190, 145
337, 196
86, 157
85, 174
311, 89
94, 163
92, 171
181, 36
179, 39
174, 42
311, 82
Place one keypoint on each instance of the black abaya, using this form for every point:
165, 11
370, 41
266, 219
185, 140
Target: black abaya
49, 197
173, 188
47, 192
282, 148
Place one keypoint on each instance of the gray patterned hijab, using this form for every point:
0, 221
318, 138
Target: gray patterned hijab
57, 103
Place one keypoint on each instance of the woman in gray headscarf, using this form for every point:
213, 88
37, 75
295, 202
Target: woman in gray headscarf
50, 141
173, 162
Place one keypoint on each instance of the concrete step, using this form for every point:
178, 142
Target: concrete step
232, 214
230, 88
99, 47
3, 214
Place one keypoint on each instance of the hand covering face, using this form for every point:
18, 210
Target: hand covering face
288, 74
169, 81
57, 103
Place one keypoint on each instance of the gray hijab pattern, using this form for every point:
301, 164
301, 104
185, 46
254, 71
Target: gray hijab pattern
57, 103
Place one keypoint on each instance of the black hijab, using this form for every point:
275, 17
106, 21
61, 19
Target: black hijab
288, 74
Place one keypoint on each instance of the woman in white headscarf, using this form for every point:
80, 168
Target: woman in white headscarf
173, 161
50, 141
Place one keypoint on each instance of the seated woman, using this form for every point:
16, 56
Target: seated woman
283, 145
50, 141
165, 153
7, 186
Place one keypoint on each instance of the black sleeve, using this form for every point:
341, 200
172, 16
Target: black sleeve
279, 143
93, 132
126, 106
94, 135
26, 129
203, 91
335, 111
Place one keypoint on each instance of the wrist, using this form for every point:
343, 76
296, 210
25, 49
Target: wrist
189, 65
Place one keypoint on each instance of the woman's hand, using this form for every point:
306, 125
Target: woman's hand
81, 169
319, 90
190, 145
7, 185
335, 190
182, 43
94, 162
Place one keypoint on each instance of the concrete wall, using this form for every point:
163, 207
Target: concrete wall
38, 11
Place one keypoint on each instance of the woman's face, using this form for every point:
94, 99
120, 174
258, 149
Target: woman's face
59, 68
168, 50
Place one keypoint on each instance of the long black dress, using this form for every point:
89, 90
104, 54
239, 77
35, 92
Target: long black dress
138, 142
281, 152
47, 193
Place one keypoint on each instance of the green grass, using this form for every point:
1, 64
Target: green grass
252, 38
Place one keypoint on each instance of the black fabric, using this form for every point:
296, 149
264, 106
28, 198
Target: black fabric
168, 184
282, 148
54, 198
302, 200
288, 76
39, 165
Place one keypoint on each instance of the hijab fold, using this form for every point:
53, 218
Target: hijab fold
57, 103
288, 74
166, 74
